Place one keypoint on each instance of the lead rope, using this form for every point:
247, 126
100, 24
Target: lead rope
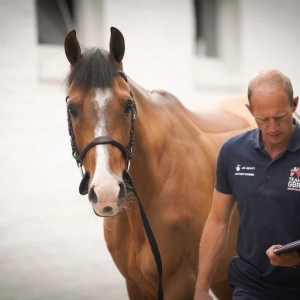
151, 239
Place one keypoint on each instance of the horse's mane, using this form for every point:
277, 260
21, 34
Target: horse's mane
94, 69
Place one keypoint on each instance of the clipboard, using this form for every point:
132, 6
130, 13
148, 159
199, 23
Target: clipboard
288, 247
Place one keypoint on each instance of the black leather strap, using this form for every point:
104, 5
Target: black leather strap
103, 140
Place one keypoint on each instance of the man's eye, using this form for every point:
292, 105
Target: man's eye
263, 119
278, 118
72, 111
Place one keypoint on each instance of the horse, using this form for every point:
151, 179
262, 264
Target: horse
116, 126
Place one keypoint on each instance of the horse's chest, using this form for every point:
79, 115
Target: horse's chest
135, 262
132, 254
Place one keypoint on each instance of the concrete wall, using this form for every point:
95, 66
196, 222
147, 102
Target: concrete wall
158, 41
271, 37
18, 51
253, 35
268, 38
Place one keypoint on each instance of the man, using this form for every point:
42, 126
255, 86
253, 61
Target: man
260, 172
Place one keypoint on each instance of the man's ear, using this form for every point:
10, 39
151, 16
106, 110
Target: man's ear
249, 108
295, 103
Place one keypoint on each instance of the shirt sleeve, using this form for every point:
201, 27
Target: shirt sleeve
222, 183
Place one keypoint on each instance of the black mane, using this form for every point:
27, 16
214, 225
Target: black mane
94, 69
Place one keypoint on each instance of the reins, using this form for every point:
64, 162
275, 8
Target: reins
151, 239
127, 154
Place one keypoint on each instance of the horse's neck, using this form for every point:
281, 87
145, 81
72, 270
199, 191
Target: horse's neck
163, 130
161, 117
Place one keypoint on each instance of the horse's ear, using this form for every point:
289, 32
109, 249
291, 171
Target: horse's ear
72, 48
116, 44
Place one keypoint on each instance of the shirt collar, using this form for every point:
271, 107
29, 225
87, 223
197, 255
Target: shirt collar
295, 141
293, 145
256, 138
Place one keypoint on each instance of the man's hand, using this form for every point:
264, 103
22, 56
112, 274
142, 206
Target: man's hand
286, 259
202, 295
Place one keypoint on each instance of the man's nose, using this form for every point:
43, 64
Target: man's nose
273, 124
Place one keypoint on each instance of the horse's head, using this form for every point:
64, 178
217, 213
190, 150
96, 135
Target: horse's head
101, 112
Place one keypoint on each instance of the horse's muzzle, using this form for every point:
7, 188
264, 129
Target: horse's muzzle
107, 208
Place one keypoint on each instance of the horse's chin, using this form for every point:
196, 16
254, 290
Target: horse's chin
107, 214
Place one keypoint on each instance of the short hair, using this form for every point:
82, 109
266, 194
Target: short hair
271, 78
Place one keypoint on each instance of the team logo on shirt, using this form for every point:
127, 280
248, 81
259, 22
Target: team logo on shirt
294, 179
244, 170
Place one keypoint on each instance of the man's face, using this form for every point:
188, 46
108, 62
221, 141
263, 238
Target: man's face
273, 113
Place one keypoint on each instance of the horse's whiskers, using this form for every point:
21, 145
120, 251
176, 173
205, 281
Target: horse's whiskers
127, 203
108, 223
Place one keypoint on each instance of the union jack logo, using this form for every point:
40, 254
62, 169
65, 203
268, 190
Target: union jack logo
295, 170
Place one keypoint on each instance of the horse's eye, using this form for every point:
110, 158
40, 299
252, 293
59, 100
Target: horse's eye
72, 110
128, 106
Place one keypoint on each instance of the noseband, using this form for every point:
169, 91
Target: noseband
127, 152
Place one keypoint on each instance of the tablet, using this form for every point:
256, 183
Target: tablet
288, 247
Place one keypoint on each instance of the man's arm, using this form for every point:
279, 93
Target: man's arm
213, 242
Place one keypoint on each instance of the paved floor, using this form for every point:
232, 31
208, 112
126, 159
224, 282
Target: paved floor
51, 244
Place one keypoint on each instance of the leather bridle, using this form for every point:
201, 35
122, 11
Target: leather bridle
127, 152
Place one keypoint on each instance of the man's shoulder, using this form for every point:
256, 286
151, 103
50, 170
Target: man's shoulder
244, 138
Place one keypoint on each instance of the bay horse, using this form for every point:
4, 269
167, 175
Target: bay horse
170, 153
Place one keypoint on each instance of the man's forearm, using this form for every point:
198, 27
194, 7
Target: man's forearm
211, 248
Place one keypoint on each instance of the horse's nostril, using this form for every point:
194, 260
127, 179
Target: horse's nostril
107, 209
92, 196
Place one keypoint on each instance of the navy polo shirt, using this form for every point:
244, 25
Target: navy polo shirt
267, 192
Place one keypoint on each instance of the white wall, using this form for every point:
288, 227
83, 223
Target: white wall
263, 34
271, 37
18, 51
159, 42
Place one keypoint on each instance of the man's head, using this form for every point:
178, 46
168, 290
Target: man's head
271, 102
271, 78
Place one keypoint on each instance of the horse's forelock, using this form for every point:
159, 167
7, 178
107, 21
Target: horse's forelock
95, 69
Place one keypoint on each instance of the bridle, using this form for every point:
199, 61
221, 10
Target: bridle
127, 152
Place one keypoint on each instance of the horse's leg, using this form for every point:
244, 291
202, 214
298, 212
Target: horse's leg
178, 288
135, 293
181, 286
222, 290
